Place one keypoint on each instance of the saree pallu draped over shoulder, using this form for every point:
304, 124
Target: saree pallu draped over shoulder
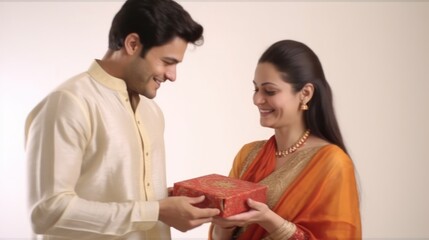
315, 189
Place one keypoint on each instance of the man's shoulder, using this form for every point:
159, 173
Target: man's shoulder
75, 83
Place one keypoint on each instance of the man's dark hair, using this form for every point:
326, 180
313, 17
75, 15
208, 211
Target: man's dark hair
156, 22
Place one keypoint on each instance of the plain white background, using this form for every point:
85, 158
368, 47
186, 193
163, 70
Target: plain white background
375, 56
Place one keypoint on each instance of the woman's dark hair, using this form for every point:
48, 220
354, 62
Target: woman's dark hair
156, 22
299, 65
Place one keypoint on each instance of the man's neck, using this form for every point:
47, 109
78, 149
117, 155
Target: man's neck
134, 99
113, 63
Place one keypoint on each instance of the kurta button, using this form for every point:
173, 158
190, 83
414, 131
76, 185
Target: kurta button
147, 154
126, 99
138, 122
148, 184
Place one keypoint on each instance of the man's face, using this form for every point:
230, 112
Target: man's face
145, 75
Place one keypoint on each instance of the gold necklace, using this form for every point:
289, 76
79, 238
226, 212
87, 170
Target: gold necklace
301, 141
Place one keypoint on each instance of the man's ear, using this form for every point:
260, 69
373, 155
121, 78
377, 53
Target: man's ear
132, 44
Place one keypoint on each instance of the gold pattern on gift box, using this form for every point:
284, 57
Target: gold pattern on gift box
223, 184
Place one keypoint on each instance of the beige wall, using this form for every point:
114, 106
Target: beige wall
375, 55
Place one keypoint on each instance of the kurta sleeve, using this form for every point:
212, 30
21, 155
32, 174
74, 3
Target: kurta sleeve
57, 132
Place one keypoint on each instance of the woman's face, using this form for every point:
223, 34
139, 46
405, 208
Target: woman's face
276, 100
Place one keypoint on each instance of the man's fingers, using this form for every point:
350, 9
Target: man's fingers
195, 200
202, 213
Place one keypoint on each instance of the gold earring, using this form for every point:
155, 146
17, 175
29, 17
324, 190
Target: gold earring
304, 106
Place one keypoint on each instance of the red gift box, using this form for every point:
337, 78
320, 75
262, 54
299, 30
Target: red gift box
227, 194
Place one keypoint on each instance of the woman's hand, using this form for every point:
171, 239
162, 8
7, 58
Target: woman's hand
259, 213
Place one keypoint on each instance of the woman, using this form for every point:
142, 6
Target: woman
312, 192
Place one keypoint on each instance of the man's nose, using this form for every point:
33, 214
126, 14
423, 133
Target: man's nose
171, 74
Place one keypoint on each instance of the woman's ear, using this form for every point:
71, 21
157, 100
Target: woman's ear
307, 93
132, 44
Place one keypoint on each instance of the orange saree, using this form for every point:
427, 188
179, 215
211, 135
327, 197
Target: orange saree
319, 196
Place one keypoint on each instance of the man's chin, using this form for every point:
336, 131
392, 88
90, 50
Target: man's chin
150, 95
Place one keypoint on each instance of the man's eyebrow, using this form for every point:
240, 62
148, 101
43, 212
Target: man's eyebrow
171, 60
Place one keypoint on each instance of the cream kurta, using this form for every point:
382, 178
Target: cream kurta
96, 168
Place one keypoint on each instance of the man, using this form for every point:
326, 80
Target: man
95, 145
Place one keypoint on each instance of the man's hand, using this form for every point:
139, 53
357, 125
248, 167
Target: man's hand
179, 213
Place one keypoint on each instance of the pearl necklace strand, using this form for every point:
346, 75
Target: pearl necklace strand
301, 141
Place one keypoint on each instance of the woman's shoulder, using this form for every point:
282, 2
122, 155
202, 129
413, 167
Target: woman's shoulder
249, 150
252, 148
334, 157
329, 152
324, 146
333, 150
254, 144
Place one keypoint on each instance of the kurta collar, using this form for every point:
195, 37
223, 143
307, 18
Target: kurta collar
101, 76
